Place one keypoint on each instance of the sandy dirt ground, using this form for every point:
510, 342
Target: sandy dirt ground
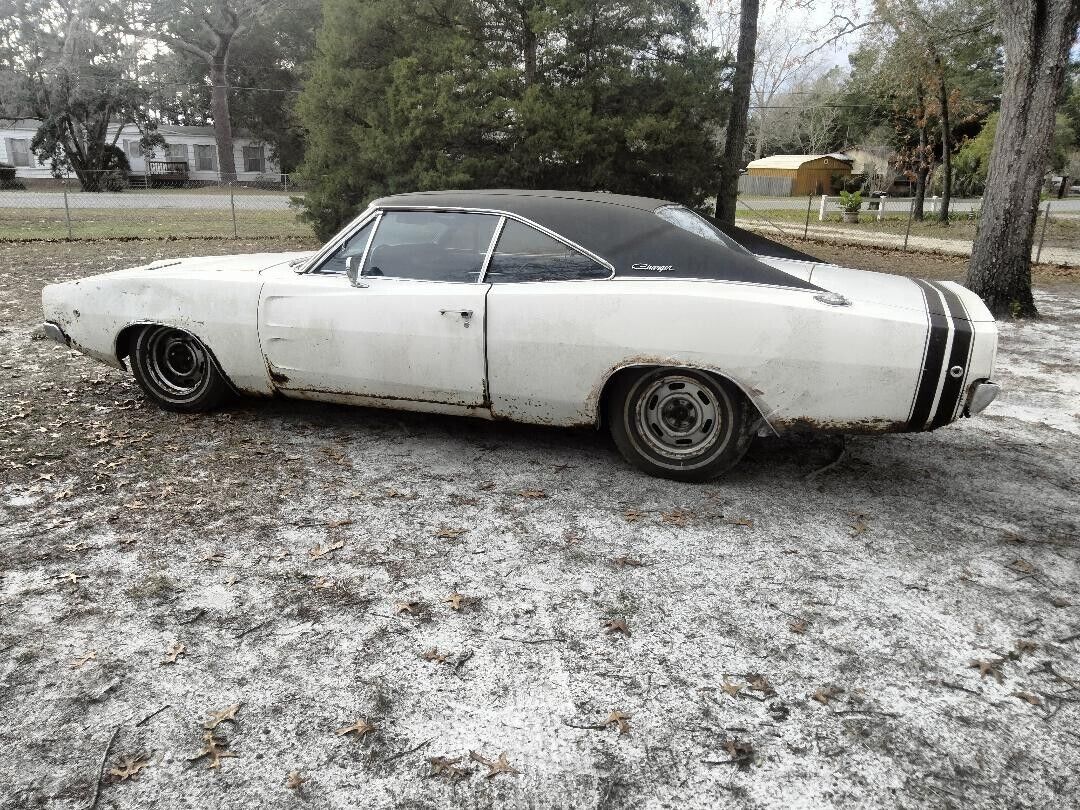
291, 605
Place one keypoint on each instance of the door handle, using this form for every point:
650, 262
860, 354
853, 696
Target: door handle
464, 314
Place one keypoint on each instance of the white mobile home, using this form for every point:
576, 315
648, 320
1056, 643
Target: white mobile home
193, 146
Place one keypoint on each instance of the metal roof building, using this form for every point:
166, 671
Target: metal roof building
798, 174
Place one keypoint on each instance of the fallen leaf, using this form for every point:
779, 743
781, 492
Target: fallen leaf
231, 580
487, 486
75, 547
732, 689
532, 493
219, 717
616, 626
214, 557
501, 765
633, 516
455, 600
71, 578
759, 683
444, 766
625, 562
619, 719
214, 747
359, 728
412, 608
1026, 645
449, 533
676, 517
128, 768
741, 752
294, 780
860, 525
749, 524
799, 626
337, 524
322, 582
1022, 566
319, 551
1034, 700
824, 694
434, 655
987, 668
78, 662
174, 651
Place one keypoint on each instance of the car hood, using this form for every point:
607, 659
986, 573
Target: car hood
243, 263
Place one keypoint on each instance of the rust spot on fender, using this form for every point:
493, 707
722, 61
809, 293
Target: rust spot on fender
276, 376
848, 426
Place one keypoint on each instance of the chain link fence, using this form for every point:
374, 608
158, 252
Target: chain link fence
159, 208
889, 222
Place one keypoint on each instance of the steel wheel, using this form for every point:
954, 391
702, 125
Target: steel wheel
678, 423
678, 417
176, 361
174, 368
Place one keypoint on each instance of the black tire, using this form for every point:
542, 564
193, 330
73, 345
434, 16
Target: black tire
679, 423
175, 370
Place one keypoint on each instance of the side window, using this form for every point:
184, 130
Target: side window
526, 254
430, 246
353, 246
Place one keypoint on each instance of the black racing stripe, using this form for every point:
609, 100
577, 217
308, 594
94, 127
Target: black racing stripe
961, 350
933, 358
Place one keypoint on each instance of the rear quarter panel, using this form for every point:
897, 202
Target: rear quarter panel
552, 346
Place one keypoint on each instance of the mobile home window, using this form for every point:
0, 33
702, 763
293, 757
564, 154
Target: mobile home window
253, 159
205, 158
132, 149
177, 151
19, 151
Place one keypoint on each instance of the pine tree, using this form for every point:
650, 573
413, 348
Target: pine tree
577, 94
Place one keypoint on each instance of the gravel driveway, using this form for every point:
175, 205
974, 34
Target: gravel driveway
296, 605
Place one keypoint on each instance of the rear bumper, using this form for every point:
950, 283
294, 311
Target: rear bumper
982, 394
55, 333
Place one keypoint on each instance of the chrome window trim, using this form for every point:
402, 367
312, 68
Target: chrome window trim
491, 249
344, 235
367, 247
670, 279
517, 218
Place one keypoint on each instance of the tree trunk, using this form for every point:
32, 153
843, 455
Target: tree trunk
1037, 35
219, 104
735, 142
923, 170
946, 144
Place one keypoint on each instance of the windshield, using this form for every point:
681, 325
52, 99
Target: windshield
696, 224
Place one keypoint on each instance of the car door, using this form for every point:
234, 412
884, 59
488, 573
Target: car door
411, 328
545, 350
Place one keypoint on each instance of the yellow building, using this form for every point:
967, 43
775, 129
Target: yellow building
808, 174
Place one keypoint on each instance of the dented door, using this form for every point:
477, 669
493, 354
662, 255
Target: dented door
395, 339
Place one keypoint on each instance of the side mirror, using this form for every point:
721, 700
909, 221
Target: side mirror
352, 268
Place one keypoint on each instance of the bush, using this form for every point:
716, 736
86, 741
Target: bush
851, 202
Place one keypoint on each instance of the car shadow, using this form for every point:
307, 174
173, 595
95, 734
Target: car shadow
794, 456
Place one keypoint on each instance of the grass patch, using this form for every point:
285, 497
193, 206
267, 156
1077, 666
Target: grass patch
145, 223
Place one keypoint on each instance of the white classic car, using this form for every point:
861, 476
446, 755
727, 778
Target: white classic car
555, 308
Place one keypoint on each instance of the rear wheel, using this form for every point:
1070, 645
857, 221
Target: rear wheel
679, 423
175, 370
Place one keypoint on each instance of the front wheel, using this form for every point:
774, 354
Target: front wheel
679, 423
175, 370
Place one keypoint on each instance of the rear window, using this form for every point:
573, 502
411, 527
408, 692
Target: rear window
696, 224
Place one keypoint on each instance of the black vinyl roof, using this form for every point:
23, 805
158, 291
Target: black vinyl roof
622, 229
